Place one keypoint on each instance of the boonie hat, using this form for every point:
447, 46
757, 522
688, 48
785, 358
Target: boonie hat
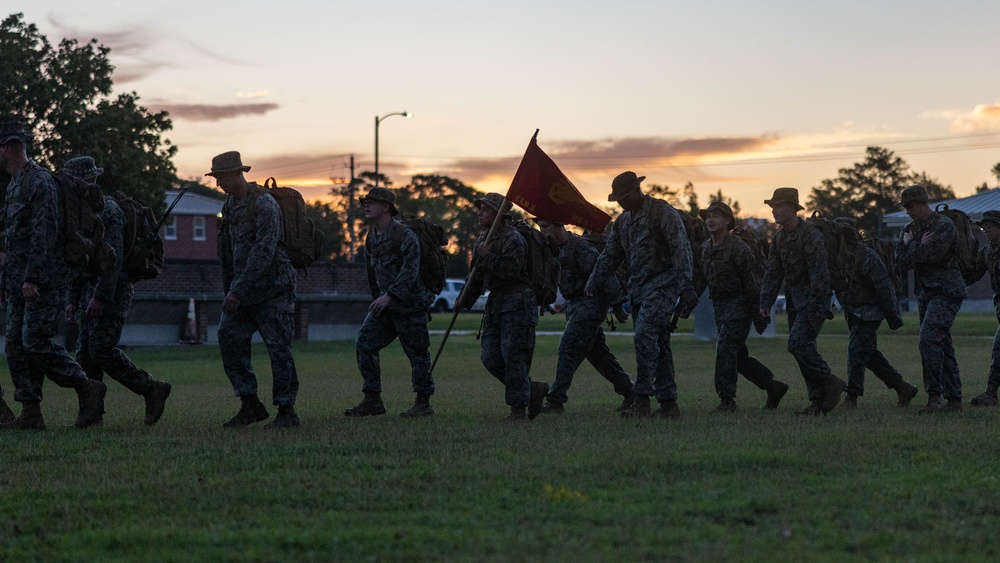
385, 195
624, 184
785, 195
721, 207
11, 130
82, 167
227, 162
914, 193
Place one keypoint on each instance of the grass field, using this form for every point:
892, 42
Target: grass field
879, 483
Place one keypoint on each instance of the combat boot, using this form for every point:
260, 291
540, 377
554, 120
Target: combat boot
640, 408
953, 405
833, 387
30, 419
538, 392
934, 405
669, 409
371, 405
517, 415
628, 399
251, 411
422, 407
904, 394
775, 392
726, 406
552, 407
91, 396
286, 418
987, 399
815, 408
850, 402
156, 400
6, 415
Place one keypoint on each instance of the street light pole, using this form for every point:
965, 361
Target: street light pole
380, 120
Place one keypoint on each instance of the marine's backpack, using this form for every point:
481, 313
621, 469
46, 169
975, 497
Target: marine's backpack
757, 245
839, 257
142, 246
967, 245
543, 262
300, 238
599, 241
81, 230
886, 252
433, 256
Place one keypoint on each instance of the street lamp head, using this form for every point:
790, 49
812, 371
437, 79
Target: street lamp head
407, 114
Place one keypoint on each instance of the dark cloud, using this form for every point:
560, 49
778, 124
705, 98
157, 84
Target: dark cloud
209, 112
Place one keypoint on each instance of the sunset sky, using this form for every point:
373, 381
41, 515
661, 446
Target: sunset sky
738, 96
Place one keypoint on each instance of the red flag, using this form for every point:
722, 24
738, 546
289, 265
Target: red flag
541, 189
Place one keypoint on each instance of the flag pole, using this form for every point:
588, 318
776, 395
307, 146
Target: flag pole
468, 280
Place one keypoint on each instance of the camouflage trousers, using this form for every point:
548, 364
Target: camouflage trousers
803, 330
378, 331
937, 351
31, 353
273, 319
654, 371
583, 339
994, 379
97, 351
508, 342
732, 357
863, 353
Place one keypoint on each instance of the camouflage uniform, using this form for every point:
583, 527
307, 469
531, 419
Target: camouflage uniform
867, 301
260, 274
660, 268
584, 337
31, 240
988, 260
508, 338
798, 257
733, 280
393, 260
97, 350
940, 290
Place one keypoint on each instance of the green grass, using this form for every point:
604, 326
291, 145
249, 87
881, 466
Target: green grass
876, 484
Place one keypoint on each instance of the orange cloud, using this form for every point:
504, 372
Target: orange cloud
982, 118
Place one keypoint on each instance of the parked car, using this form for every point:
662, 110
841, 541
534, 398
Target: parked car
445, 300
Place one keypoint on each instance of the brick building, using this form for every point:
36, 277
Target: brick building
184, 304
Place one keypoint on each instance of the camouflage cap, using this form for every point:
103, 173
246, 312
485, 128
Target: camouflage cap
721, 207
227, 162
385, 195
624, 184
11, 130
82, 167
785, 195
991, 216
493, 200
914, 193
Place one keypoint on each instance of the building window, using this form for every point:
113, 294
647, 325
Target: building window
199, 228
170, 229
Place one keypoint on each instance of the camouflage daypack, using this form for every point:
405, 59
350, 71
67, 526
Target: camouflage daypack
142, 245
300, 238
757, 245
886, 252
967, 245
839, 257
543, 262
81, 231
433, 256
599, 241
